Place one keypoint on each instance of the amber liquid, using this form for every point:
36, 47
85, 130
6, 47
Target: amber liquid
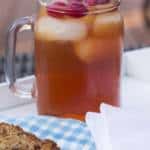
70, 81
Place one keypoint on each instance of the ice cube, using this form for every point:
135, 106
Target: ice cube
51, 28
89, 20
87, 50
108, 25
97, 50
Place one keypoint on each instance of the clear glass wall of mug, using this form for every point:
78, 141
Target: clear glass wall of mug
78, 50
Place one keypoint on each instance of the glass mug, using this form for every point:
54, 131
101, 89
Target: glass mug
78, 51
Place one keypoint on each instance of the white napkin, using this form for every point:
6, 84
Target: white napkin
116, 129
137, 63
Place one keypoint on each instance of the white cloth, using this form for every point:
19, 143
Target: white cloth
116, 129
135, 94
137, 64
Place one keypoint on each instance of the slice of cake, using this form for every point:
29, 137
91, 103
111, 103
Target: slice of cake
15, 138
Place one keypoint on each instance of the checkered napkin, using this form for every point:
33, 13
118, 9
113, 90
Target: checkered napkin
68, 134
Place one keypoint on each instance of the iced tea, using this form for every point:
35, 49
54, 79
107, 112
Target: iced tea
78, 61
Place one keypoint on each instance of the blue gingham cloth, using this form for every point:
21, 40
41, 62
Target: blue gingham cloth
67, 133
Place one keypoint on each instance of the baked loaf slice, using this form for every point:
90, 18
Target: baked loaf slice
15, 138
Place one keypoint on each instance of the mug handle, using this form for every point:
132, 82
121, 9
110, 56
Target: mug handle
22, 24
